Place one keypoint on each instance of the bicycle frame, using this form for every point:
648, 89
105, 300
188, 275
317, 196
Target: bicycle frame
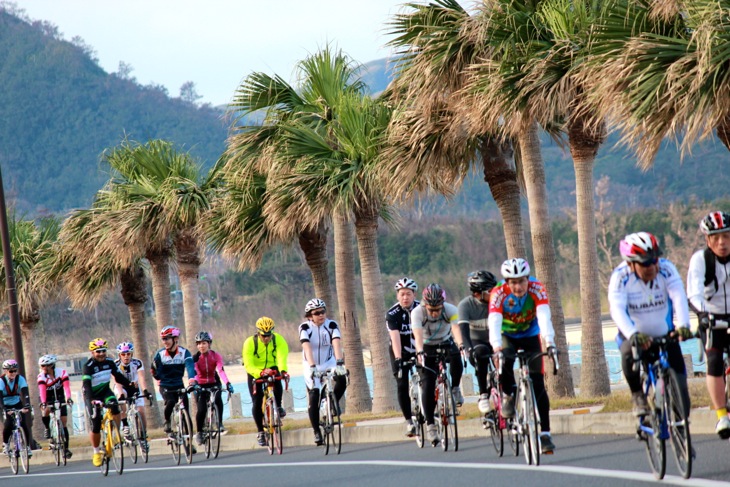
331, 428
654, 380
19, 448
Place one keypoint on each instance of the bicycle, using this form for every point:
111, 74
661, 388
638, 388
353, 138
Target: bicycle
270, 408
58, 434
667, 418
414, 393
18, 444
112, 443
181, 437
137, 438
493, 421
526, 424
211, 432
330, 423
446, 413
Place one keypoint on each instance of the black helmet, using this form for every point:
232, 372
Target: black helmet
434, 295
481, 281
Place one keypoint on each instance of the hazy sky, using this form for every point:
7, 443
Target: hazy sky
216, 43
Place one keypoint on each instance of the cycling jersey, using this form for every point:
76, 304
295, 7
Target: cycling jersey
265, 355
473, 321
96, 376
13, 390
206, 366
320, 338
54, 388
435, 330
713, 298
647, 308
131, 370
519, 317
169, 369
399, 319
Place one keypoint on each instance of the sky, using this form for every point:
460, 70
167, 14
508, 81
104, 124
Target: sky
217, 43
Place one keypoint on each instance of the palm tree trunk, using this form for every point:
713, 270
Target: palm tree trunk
594, 379
28, 325
314, 245
188, 265
159, 260
134, 294
544, 250
501, 177
366, 228
358, 392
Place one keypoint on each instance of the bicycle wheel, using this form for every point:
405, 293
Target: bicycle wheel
214, 431
513, 436
63, 442
23, 450
532, 424
656, 448
450, 426
276, 428
419, 422
57, 440
13, 453
269, 424
678, 425
176, 439
336, 424
186, 434
104, 467
142, 438
134, 444
495, 432
414, 392
117, 443
438, 417
521, 419
325, 424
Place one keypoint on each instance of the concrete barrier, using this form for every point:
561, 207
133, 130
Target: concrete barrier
467, 385
235, 406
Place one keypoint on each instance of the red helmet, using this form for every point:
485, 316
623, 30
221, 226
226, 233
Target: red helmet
170, 331
715, 222
640, 247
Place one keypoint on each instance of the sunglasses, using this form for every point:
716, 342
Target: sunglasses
13, 371
99, 351
124, 354
164, 339
318, 313
265, 335
648, 263
433, 310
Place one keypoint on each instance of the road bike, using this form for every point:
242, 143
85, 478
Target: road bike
58, 433
493, 421
211, 432
18, 444
112, 443
668, 413
136, 440
446, 412
330, 423
270, 408
526, 424
181, 438
414, 393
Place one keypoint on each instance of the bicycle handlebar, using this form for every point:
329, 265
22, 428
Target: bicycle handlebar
661, 342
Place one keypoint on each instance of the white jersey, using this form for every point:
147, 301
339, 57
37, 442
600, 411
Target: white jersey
132, 370
647, 308
708, 298
320, 338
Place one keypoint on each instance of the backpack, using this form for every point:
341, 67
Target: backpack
256, 346
14, 391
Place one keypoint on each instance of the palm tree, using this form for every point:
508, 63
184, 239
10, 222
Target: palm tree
334, 170
430, 146
30, 244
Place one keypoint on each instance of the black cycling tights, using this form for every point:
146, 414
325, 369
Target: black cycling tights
257, 400
313, 407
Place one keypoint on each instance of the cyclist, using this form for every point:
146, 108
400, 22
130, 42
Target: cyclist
168, 368
15, 397
643, 293
402, 346
321, 350
264, 353
133, 369
209, 372
95, 377
473, 311
434, 324
708, 293
519, 316
54, 385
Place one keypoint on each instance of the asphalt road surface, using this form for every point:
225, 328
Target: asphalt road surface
580, 460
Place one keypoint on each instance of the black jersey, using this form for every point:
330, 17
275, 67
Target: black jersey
399, 319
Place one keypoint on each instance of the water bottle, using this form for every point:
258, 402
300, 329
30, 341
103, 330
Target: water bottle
414, 395
323, 409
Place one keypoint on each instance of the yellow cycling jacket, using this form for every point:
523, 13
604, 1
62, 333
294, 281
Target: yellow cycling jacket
260, 356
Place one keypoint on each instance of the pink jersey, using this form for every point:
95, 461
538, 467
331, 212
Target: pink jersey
54, 385
207, 365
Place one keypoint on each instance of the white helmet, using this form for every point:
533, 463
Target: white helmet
406, 283
515, 268
47, 360
313, 304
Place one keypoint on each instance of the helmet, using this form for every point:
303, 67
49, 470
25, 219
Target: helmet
313, 304
265, 325
203, 336
715, 222
98, 344
10, 364
47, 360
434, 295
406, 283
480, 281
125, 347
515, 268
169, 331
640, 247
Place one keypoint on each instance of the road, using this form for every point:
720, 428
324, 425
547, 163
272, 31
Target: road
602, 460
